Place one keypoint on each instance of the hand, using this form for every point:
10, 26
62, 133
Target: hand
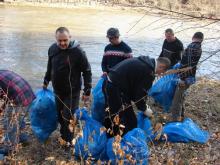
85, 100
104, 74
44, 86
182, 83
148, 112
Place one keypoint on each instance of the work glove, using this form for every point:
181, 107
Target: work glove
148, 112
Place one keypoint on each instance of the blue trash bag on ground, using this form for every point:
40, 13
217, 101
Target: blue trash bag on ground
186, 131
98, 104
134, 144
43, 114
144, 123
164, 89
93, 141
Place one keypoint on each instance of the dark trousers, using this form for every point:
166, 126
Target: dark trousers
66, 107
117, 101
177, 108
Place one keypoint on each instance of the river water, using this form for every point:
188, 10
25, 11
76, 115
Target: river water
27, 32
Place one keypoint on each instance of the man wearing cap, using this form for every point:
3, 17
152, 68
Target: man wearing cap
190, 58
115, 52
172, 47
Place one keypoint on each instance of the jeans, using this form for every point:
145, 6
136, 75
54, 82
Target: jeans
177, 109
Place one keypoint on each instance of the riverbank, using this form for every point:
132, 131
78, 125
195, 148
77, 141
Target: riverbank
204, 9
82, 5
202, 106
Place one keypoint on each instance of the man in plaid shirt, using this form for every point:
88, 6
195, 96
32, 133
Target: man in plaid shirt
14, 88
15, 94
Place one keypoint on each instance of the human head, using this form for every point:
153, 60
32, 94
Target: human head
198, 36
63, 37
169, 35
163, 64
113, 36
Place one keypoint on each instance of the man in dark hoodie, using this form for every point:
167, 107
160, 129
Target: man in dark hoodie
190, 58
66, 62
129, 81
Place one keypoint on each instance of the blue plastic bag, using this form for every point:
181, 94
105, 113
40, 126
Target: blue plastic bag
13, 128
98, 104
186, 131
43, 114
164, 89
134, 144
144, 123
94, 139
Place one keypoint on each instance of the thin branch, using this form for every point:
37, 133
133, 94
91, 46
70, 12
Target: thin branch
180, 13
193, 27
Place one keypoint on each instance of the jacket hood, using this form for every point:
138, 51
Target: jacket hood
147, 60
73, 44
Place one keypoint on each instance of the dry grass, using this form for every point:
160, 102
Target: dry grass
207, 7
202, 105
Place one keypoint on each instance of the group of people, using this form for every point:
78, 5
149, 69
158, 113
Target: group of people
128, 78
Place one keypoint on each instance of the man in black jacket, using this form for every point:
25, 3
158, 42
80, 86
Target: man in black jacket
66, 62
129, 81
172, 47
190, 58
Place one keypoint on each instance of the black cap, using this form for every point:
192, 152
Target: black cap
113, 32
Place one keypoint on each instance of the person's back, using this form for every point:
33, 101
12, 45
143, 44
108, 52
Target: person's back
132, 74
15, 88
172, 47
191, 58
115, 52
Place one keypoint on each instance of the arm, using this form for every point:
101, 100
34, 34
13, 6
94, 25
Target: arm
179, 53
87, 74
47, 76
161, 53
104, 64
128, 53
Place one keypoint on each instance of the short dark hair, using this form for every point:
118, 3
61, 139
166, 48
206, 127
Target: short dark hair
62, 29
165, 61
112, 32
169, 30
198, 35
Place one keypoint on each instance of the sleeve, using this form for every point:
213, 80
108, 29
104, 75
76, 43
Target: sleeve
180, 51
47, 76
104, 64
86, 73
128, 52
161, 53
190, 59
142, 91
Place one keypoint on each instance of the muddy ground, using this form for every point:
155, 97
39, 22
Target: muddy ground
202, 105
